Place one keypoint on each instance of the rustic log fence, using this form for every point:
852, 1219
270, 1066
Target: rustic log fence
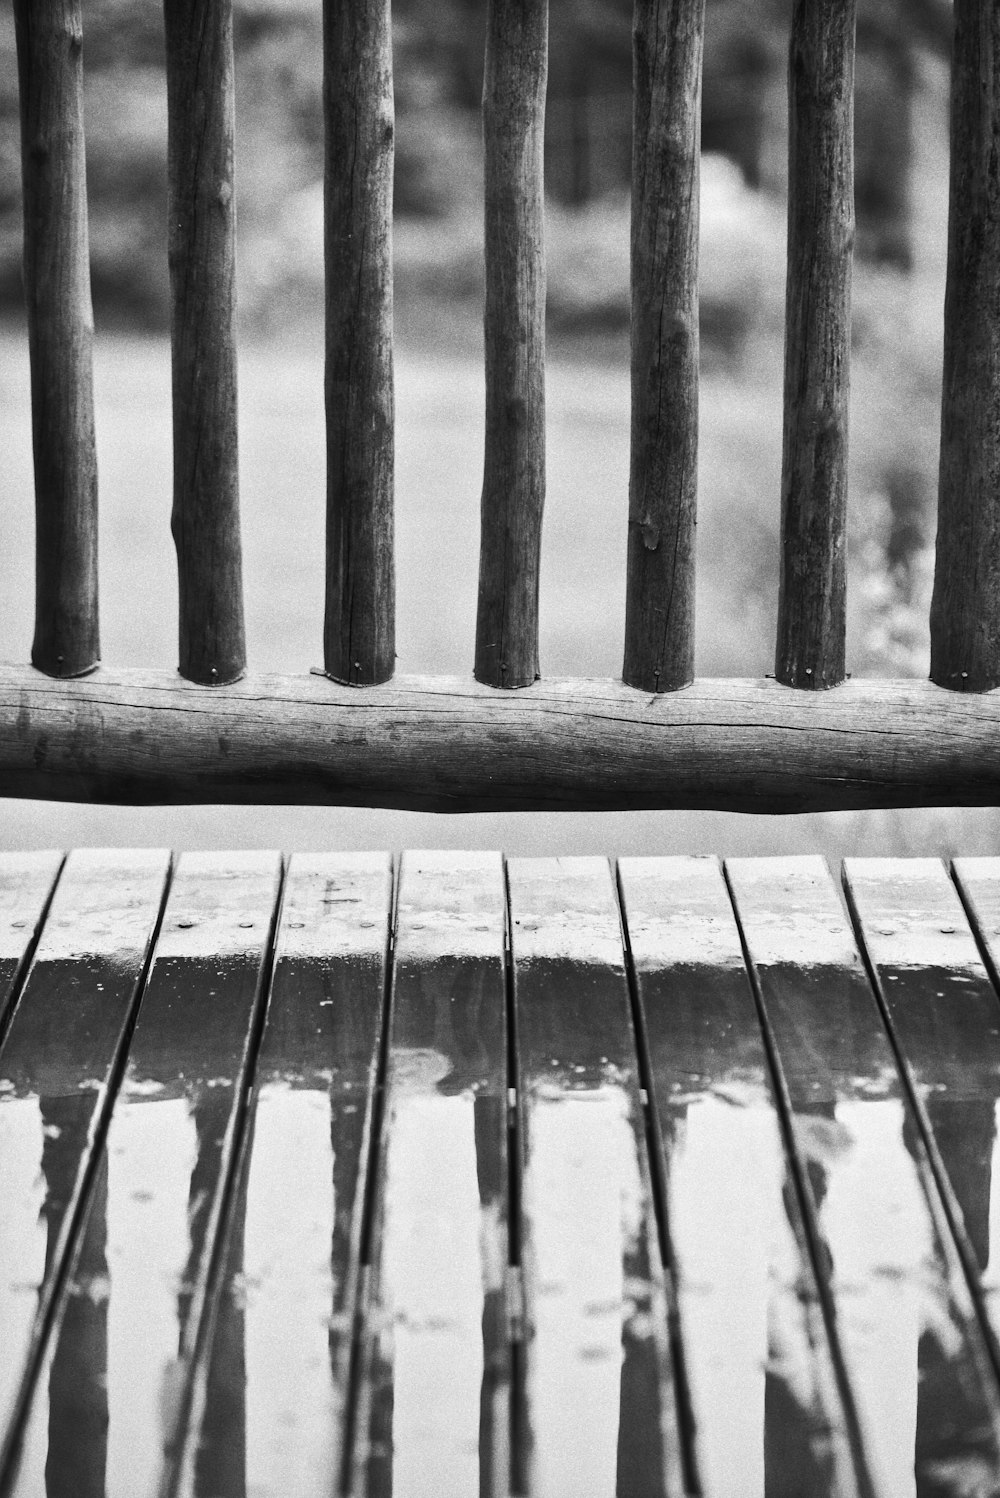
808, 739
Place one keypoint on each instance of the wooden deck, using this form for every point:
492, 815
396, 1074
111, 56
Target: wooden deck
472, 1178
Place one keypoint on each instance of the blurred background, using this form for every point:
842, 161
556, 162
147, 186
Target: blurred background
901, 204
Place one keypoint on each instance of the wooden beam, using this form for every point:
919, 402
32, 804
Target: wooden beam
448, 744
202, 252
359, 631
514, 331
60, 334
965, 608
663, 476
812, 591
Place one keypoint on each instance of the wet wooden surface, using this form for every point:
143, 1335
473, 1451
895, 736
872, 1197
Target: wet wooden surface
601, 1412
459, 1178
766, 1411
914, 1353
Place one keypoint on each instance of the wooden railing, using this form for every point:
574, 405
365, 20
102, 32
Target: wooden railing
806, 739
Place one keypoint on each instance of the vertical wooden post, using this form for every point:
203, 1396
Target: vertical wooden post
60, 334
202, 245
359, 639
666, 142
965, 609
812, 598
514, 465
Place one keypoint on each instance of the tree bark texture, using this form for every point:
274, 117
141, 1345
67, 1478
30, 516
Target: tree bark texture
202, 245
812, 594
60, 334
514, 466
965, 609
359, 640
659, 610
450, 744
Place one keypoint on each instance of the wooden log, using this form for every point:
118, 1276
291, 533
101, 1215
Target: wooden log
965, 608
659, 606
202, 250
448, 744
60, 334
812, 596
359, 641
514, 466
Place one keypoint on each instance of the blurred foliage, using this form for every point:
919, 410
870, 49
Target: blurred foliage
438, 81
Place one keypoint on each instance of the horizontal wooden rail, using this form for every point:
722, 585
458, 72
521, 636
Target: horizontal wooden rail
450, 744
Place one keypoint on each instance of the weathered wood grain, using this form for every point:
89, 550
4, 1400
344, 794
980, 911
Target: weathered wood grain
359, 631
514, 466
202, 250
812, 593
60, 334
666, 144
447, 744
965, 608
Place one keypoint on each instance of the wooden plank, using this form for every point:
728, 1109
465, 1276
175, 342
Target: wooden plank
965, 607
272, 1380
202, 250
26, 881
432, 1409
514, 326
448, 744
912, 1345
60, 334
58, 1067
167, 1156
945, 1018
359, 631
663, 476
812, 592
600, 1393
768, 1410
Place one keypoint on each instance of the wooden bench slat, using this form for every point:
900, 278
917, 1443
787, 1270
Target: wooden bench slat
946, 1020
271, 1386
912, 1345
57, 1075
168, 1154
435, 1314
600, 1390
26, 881
758, 1365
